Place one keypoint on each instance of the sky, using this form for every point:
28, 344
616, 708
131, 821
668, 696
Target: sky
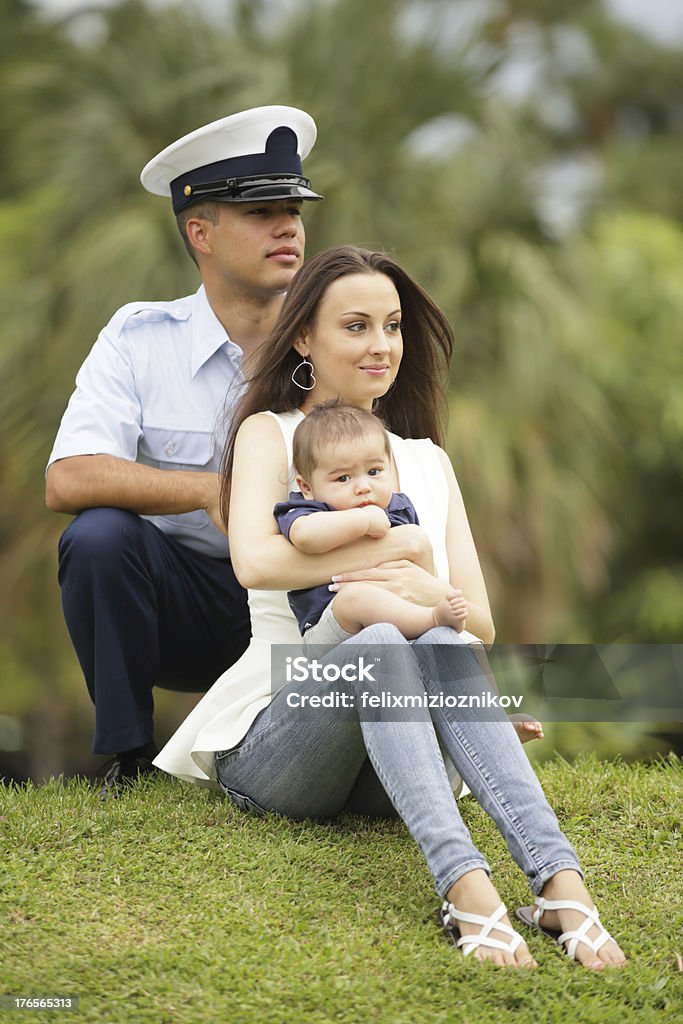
661, 19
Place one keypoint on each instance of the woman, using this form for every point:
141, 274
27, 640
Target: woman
354, 326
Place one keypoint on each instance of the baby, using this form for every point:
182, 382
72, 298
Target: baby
342, 458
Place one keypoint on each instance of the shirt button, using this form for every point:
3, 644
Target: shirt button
169, 449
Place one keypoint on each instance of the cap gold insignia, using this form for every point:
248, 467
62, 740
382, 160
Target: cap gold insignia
188, 190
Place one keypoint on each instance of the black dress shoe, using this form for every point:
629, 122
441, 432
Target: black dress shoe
123, 770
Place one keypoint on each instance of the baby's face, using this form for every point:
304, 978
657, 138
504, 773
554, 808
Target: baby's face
351, 474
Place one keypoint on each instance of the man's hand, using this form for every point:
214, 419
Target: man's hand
213, 501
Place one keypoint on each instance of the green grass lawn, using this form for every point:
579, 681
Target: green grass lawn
170, 905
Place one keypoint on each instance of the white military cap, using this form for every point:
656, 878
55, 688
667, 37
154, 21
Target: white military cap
246, 157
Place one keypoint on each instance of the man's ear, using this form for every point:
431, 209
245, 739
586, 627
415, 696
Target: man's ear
197, 230
304, 487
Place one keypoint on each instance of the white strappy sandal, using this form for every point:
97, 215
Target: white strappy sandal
450, 916
568, 940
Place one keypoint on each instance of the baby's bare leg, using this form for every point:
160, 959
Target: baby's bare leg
358, 605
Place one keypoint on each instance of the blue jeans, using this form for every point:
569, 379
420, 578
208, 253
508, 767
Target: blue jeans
320, 765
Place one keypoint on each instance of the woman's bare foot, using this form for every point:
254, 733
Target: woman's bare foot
567, 885
475, 894
451, 611
526, 727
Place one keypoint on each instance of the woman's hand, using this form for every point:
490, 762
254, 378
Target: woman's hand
401, 577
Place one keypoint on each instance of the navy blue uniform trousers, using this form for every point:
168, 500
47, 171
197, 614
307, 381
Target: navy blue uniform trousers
143, 609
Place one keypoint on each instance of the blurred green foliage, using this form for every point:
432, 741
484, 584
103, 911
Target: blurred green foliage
521, 159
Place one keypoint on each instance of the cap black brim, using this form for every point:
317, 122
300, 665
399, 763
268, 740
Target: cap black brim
267, 192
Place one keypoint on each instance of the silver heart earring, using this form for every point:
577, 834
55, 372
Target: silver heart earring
307, 366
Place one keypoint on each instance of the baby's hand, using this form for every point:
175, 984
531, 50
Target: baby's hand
378, 522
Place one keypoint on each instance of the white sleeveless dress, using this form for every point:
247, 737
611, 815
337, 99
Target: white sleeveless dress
223, 716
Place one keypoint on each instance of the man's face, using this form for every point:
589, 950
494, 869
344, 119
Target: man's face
256, 247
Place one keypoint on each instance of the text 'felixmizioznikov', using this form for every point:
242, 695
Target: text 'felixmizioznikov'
387, 699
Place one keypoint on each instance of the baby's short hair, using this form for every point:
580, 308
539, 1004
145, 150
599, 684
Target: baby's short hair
330, 423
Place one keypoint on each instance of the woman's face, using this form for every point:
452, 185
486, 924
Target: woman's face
355, 343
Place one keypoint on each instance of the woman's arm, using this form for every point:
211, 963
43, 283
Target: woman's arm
261, 557
463, 561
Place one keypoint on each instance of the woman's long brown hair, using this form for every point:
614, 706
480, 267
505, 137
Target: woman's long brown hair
415, 406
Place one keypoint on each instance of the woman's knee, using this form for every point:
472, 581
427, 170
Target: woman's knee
447, 663
380, 633
385, 661
441, 635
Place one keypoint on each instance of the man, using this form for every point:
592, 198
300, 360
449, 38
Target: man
148, 592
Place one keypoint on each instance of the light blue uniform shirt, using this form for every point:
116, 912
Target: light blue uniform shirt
158, 387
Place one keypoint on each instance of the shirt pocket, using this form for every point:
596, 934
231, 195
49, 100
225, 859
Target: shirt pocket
174, 448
